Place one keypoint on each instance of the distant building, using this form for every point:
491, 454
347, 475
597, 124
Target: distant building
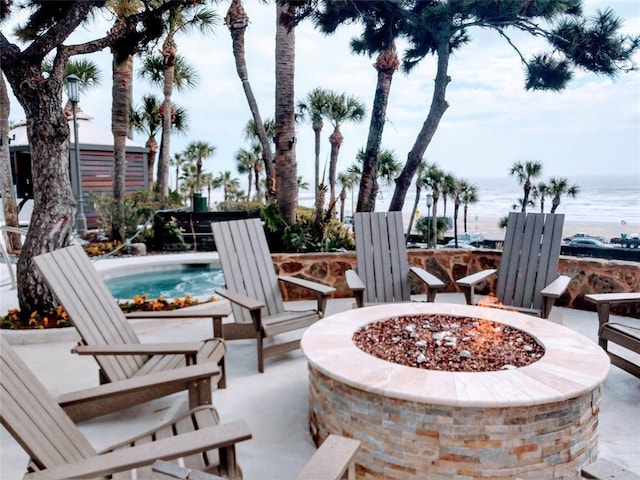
96, 162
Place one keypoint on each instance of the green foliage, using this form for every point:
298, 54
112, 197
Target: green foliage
423, 225
139, 207
171, 235
252, 207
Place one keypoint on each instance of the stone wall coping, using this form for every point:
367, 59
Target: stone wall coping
571, 366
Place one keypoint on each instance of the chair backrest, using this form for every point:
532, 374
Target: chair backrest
91, 307
247, 266
381, 256
33, 417
530, 258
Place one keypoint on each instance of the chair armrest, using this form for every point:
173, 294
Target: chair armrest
355, 284
239, 299
309, 285
331, 461
111, 397
204, 310
557, 287
185, 348
170, 471
468, 283
218, 436
432, 282
353, 280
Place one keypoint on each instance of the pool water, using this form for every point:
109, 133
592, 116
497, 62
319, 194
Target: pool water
175, 282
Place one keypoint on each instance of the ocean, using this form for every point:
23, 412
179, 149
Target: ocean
611, 199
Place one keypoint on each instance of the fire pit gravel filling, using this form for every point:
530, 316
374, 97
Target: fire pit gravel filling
448, 343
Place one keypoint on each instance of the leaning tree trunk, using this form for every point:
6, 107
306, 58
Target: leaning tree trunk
121, 104
10, 210
386, 64
237, 21
169, 52
54, 208
438, 106
415, 207
286, 168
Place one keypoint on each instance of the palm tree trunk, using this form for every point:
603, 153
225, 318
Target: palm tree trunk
286, 172
456, 209
386, 64
237, 21
336, 142
415, 208
466, 208
169, 52
121, 104
434, 219
9, 207
317, 129
438, 106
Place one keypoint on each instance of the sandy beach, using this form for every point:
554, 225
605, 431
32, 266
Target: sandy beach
489, 228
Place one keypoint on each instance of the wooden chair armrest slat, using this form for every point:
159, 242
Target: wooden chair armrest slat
239, 299
184, 348
557, 287
309, 285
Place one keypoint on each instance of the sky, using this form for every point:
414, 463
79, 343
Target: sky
591, 128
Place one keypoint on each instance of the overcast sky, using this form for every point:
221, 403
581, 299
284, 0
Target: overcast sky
591, 128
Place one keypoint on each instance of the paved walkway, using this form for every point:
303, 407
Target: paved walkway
275, 404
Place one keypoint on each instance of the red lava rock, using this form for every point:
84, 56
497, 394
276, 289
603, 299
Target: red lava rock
449, 343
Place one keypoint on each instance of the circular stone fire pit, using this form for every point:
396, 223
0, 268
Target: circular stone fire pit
536, 421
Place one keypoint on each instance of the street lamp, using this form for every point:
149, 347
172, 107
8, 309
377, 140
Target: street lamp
429, 219
73, 93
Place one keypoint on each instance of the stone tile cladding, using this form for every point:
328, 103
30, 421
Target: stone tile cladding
408, 440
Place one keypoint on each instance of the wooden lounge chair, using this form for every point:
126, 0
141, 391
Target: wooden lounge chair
58, 450
528, 279
252, 287
106, 333
383, 272
334, 460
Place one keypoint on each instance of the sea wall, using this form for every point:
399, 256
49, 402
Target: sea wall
588, 275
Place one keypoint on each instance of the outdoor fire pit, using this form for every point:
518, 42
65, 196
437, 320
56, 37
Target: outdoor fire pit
416, 419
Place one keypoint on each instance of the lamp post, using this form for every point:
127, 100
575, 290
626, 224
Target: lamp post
429, 204
73, 92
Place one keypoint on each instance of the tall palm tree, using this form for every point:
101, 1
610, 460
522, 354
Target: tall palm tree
146, 119
208, 182
449, 188
251, 134
381, 21
198, 151
460, 187
347, 180
560, 186
314, 107
237, 21
341, 108
177, 20
469, 196
525, 172
178, 160
188, 181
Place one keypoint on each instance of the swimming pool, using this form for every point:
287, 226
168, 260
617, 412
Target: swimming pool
197, 280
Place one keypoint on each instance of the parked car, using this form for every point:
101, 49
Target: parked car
452, 244
589, 242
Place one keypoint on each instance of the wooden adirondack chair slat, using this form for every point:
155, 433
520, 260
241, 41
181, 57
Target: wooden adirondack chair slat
528, 265
251, 280
382, 265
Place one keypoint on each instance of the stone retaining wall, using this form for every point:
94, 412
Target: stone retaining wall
588, 275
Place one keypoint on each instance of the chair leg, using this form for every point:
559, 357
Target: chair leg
260, 353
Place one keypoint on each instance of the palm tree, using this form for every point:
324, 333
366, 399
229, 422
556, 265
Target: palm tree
189, 180
178, 160
448, 190
209, 182
340, 109
314, 107
433, 178
525, 172
198, 151
237, 21
347, 180
559, 187
469, 195
251, 134
146, 119
245, 163
460, 187
541, 191
179, 19
419, 182
302, 184
381, 21
228, 183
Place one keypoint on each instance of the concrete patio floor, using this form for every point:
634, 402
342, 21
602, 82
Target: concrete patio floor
275, 404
